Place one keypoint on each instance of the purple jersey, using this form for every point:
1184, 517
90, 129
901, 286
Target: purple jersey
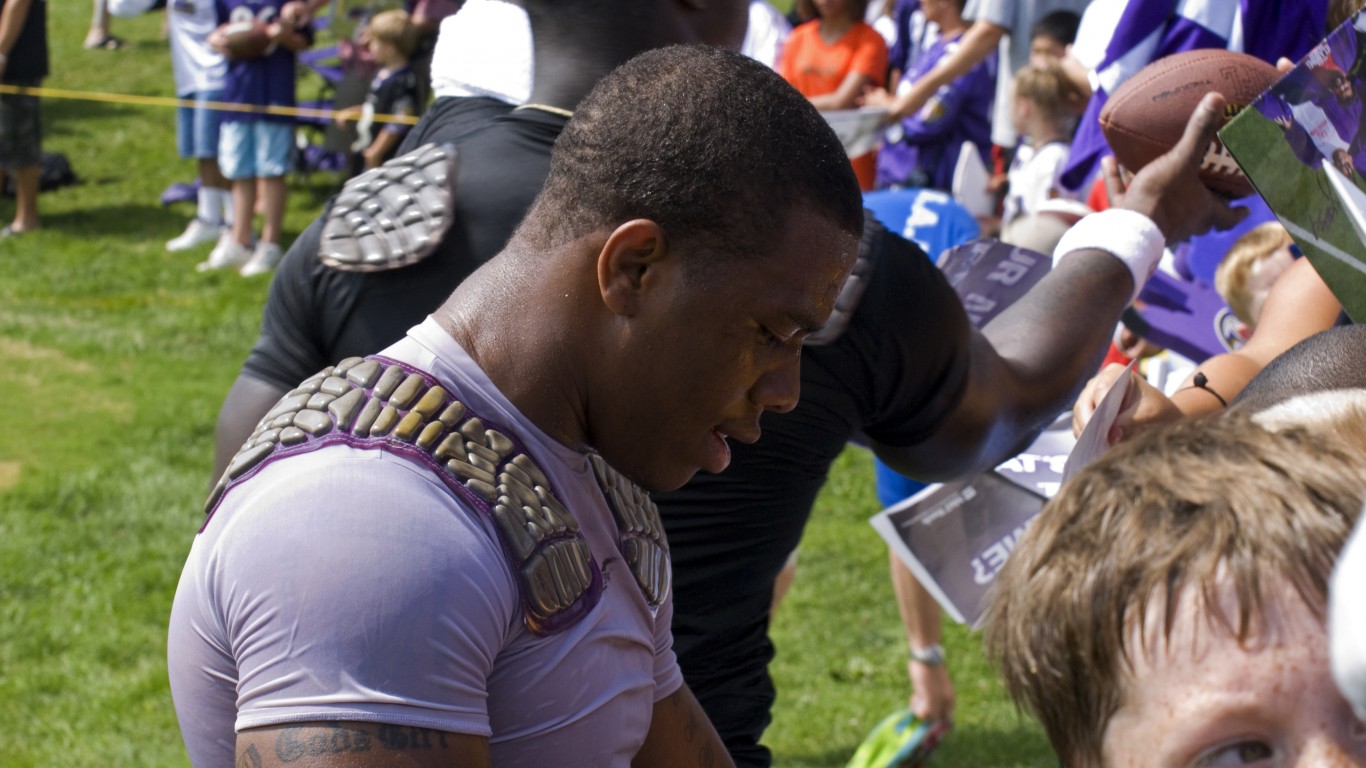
264, 82
926, 152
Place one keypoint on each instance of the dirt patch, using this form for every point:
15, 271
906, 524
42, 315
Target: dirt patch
9, 474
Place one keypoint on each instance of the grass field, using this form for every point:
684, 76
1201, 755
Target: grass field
116, 356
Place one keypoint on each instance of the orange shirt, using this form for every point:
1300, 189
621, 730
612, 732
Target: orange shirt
815, 69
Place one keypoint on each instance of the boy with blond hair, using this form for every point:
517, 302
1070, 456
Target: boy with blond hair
391, 39
1044, 113
1249, 269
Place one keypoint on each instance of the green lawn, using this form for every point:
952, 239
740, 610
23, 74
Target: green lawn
117, 356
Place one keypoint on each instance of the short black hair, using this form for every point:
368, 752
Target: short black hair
1058, 25
713, 146
1331, 359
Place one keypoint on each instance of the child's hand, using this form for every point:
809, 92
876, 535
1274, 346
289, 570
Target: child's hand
373, 156
296, 13
343, 116
876, 97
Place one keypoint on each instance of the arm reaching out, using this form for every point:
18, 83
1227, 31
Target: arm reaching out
979, 41
1028, 364
1300, 305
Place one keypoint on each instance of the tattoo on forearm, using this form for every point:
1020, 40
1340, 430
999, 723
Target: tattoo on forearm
398, 737
692, 729
249, 758
293, 744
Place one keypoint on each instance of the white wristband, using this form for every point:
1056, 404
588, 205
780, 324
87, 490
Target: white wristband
1129, 236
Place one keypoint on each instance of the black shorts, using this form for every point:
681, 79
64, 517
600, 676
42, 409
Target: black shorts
21, 143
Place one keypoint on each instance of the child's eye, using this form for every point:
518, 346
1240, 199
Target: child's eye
1242, 753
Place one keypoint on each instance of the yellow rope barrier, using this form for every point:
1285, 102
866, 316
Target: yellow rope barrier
168, 101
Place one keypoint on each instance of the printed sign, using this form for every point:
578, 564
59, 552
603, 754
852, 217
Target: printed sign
956, 536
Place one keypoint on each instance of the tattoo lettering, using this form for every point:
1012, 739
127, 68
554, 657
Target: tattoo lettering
250, 758
334, 739
398, 738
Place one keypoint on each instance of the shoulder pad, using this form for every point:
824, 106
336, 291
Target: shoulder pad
380, 403
391, 216
640, 531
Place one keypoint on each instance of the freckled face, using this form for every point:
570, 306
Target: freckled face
1203, 701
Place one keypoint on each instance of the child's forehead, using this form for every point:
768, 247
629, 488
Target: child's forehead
1204, 625
1200, 678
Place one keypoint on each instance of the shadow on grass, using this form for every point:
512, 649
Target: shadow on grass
1013, 747
116, 220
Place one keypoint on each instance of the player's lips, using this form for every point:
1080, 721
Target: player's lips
718, 454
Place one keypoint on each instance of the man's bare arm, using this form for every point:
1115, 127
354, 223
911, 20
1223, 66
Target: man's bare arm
681, 736
1028, 364
979, 41
358, 745
1300, 305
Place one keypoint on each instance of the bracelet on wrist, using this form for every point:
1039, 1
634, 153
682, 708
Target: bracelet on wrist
1201, 382
930, 655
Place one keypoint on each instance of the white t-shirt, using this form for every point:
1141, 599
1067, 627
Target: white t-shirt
197, 66
350, 584
1033, 179
767, 31
484, 49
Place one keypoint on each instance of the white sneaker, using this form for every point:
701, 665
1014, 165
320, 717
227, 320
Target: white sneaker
198, 233
263, 259
228, 254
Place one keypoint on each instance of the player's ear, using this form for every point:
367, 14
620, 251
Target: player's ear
625, 263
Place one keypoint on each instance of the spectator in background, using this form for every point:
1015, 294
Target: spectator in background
391, 38
1155, 595
24, 63
1052, 37
1251, 267
766, 35
200, 73
922, 149
1003, 23
99, 36
913, 35
833, 59
255, 148
1045, 109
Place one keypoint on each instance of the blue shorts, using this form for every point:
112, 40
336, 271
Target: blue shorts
893, 487
197, 127
255, 149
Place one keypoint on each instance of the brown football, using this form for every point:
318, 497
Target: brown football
246, 39
1146, 115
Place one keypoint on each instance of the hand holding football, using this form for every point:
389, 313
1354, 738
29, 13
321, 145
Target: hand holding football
1146, 115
